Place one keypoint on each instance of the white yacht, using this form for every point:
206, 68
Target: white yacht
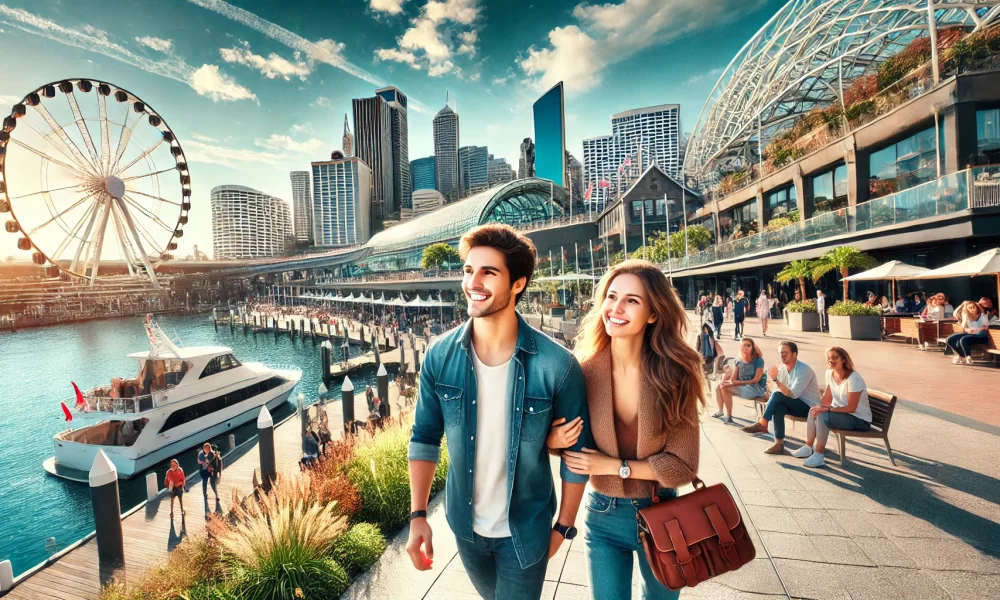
182, 397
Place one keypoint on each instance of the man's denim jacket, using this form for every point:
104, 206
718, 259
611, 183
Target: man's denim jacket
546, 383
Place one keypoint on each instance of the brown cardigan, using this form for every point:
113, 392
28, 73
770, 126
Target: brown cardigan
672, 452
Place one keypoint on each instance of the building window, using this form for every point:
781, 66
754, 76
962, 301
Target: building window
649, 208
661, 207
988, 135
829, 191
905, 164
780, 202
739, 221
637, 209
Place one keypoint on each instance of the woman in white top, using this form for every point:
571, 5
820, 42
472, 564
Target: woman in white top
763, 311
974, 331
844, 406
934, 311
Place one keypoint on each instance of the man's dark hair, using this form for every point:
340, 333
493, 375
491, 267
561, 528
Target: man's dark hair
792, 346
518, 250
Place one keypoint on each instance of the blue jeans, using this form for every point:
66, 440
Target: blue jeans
961, 342
495, 571
612, 542
205, 480
780, 405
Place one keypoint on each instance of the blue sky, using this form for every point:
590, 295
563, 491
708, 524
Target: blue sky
255, 89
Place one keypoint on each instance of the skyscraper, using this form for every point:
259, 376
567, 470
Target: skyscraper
302, 205
400, 150
499, 171
446, 153
347, 142
373, 145
422, 172
574, 178
526, 163
248, 224
342, 204
474, 166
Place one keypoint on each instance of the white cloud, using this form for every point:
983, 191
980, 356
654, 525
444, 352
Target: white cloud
9, 100
321, 102
209, 81
94, 40
710, 76
475, 76
606, 34
284, 142
502, 81
202, 138
302, 128
158, 44
441, 30
223, 155
392, 7
272, 67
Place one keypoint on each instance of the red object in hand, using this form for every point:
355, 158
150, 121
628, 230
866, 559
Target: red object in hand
69, 415
428, 562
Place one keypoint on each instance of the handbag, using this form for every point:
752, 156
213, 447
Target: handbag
694, 537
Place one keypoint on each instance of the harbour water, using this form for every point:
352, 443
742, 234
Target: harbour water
40, 514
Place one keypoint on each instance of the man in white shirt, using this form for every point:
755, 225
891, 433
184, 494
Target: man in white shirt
821, 309
798, 391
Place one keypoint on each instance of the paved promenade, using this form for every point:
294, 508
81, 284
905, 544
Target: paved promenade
927, 528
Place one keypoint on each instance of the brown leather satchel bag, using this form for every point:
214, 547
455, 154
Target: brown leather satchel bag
694, 537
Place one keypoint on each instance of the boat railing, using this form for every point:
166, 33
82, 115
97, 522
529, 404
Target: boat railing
282, 367
107, 404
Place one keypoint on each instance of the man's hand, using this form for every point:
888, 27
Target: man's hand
563, 434
772, 372
555, 540
420, 535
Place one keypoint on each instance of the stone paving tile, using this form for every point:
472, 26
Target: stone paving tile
575, 570
865, 583
908, 526
856, 523
884, 552
768, 518
947, 555
751, 484
839, 500
810, 580
915, 584
567, 591
789, 545
556, 563
755, 577
796, 499
974, 586
841, 551
817, 522
765, 498
872, 506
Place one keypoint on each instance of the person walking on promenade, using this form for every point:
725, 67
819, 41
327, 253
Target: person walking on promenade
643, 393
717, 316
797, 392
764, 311
369, 396
740, 307
821, 309
491, 379
210, 465
174, 480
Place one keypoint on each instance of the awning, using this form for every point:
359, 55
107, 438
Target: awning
893, 269
985, 263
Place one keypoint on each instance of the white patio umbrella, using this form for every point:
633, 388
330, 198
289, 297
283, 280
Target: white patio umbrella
894, 269
985, 263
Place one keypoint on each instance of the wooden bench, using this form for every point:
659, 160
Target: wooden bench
993, 343
908, 329
882, 404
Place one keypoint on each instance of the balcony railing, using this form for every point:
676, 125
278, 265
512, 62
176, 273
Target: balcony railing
948, 194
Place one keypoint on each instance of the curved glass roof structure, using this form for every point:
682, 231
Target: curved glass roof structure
803, 58
518, 202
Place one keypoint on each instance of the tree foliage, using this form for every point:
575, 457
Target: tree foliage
842, 259
437, 255
797, 270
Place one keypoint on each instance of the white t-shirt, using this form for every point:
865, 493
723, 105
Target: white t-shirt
853, 383
489, 491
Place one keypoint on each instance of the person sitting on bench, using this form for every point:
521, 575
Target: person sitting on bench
975, 325
797, 392
844, 406
747, 380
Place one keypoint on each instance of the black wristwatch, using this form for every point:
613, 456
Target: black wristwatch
417, 514
567, 532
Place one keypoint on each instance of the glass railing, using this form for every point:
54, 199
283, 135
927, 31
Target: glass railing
985, 190
941, 196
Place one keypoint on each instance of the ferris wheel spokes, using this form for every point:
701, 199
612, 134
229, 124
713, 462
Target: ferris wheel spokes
56, 217
84, 131
105, 135
140, 157
72, 236
152, 197
99, 244
84, 241
138, 242
67, 141
134, 177
54, 161
124, 138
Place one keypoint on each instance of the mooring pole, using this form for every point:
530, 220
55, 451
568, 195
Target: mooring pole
347, 402
382, 383
107, 511
265, 436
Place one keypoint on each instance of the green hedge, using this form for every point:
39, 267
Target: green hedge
801, 307
849, 308
359, 548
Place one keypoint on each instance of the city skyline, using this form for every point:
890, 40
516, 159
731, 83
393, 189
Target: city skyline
255, 91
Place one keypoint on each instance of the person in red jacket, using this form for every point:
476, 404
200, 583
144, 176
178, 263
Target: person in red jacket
174, 480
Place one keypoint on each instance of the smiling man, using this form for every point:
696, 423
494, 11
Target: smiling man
492, 386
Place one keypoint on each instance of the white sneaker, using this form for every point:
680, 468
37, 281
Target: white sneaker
957, 360
815, 461
803, 452
968, 360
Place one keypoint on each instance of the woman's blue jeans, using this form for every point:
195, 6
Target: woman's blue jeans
612, 541
962, 343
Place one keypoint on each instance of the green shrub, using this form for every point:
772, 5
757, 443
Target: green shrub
195, 560
202, 591
295, 573
360, 547
849, 308
802, 307
380, 471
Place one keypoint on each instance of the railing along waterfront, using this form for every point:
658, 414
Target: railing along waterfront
945, 195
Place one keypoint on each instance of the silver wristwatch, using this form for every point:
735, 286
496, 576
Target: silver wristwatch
625, 471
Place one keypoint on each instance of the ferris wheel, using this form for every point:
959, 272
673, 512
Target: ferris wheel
90, 172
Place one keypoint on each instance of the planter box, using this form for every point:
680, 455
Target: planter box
808, 321
557, 311
855, 328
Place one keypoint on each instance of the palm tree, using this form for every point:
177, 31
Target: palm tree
841, 259
797, 270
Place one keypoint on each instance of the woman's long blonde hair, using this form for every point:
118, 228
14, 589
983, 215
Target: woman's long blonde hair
670, 365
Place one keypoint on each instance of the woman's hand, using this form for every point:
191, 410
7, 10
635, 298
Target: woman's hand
591, 462
816, 411
563, 434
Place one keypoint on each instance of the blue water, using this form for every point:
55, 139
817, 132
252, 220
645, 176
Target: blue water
36, 368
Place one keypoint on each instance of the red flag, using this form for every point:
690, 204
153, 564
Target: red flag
79, 395
628, 161
69, 415
604, 183
621, 168
590, 188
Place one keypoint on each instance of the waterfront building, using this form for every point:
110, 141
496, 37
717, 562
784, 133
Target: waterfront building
526, 161
342, 189
446, 138
549, 124
247, 223
423, 173
347, 142
400, 148
499, 171
574, 179
373, 145
302, 206
474, 168
424, 201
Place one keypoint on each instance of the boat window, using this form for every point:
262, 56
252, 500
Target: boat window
207, 407
220, 364
109, 433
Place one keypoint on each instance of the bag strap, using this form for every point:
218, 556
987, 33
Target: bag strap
681, 549
655, 486
726, 541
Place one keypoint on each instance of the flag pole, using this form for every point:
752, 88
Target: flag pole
591, 257
642, 214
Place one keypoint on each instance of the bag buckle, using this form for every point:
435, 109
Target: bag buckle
729, 554
687, 570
